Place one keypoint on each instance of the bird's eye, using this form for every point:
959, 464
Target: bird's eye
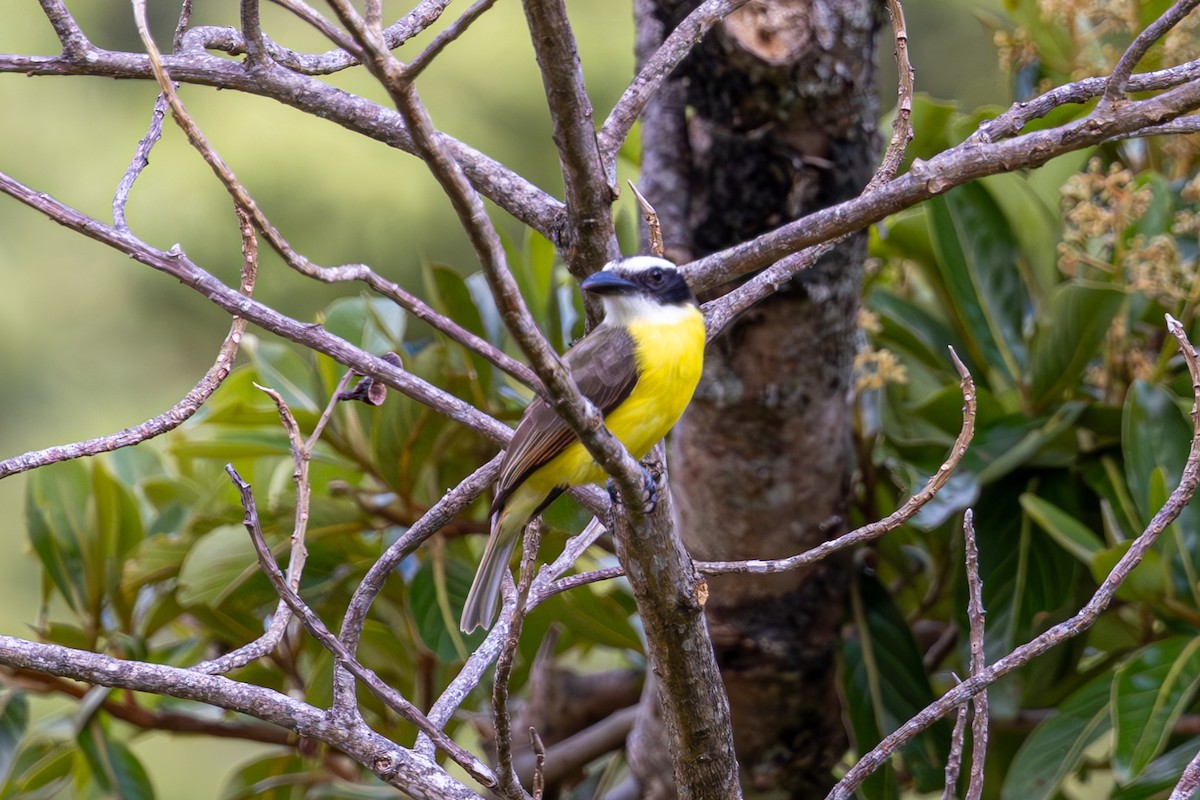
656, 276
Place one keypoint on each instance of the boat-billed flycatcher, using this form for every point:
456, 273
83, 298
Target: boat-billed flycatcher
639, 367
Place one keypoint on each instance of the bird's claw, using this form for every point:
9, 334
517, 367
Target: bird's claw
649, 490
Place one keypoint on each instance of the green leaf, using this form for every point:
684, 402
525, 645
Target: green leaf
279, 368
41, 770
1155, 434
375, 324
113, 766
216, 566
1070, 534
435, 612
1150, 693
977, 254
275, 777
1057, 746
14, 718
907, 327
1161, 775
595, 617
56, 508
886, 684
1017, 441
1147, 583
1071, 328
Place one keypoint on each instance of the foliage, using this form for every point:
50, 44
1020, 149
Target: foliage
1052, 287
144, 555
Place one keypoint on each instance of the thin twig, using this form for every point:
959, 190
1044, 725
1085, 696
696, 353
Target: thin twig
592, 239
954, 760
301, 450
70, 35
1189, 781
539, 764
313, 624
510, 784
1063, 631
902, 132
658, 67
1021, 114
141, 155
177, 414
230, 40
372, 583
252, 33
1119, 79
653, 226
975, 618
327, 29
454, 30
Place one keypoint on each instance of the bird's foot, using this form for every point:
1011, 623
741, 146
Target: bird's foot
649, 490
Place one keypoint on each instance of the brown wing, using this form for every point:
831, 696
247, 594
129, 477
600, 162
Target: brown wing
602, 364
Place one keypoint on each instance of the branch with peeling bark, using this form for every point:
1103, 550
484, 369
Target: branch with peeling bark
587, 160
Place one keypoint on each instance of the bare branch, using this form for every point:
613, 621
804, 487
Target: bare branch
948, 169
1119, 80
539, 769
177, 414
252, 33
975, 618
313, 624
301, 453
510, 784
889, 523
1063, 631
454, 30
1189, 781
176, 264
510, 191
70, 35
395, 765
1021, 114
141, 159
657, 68
954, 760
592, 239
229, 40
653, 226
902, 133
330, 31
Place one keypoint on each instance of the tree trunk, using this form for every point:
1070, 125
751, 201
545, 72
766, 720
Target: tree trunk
782, 121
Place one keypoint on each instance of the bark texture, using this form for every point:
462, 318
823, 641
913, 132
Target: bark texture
781, 121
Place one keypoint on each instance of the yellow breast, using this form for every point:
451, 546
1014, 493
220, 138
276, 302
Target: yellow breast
670, 358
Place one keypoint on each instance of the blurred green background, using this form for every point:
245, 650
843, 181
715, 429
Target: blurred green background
91, 342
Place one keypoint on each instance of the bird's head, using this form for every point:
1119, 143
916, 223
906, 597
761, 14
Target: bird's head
640, 287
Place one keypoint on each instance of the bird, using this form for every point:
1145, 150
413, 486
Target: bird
639, 367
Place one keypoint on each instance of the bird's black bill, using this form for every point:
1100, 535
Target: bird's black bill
606, 282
